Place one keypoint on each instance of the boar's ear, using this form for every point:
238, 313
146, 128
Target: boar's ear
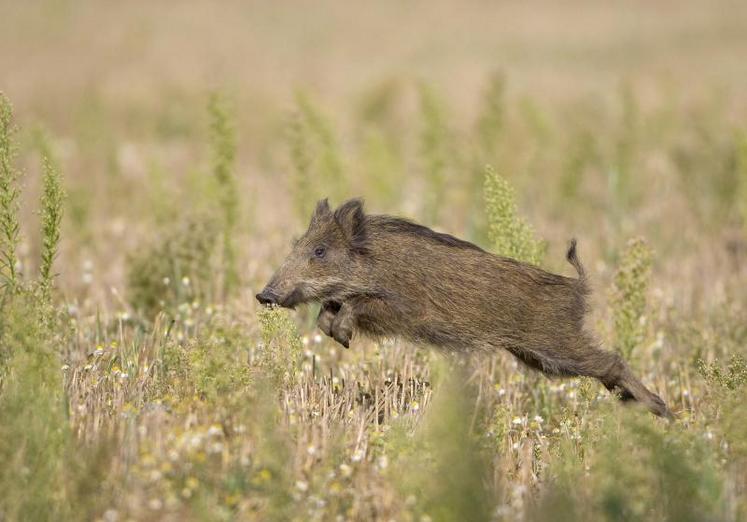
320, 212
352, 221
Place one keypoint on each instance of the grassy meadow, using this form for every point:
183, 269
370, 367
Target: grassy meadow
157, 160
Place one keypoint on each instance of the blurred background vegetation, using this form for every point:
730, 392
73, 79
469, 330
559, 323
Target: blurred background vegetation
156, 159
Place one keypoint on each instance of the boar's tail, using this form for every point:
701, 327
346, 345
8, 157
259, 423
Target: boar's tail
572, 258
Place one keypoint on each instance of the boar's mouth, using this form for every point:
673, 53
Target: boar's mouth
269, 297
292, 299
301, 294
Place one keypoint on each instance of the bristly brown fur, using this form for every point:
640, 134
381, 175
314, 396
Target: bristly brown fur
399, 225
386, 276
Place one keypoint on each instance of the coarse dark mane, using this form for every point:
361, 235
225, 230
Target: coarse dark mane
403, 226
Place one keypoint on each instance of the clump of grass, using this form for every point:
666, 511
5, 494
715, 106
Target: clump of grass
9, 194
509, 234
679, 480
175, 269
628, 297
318, 170
446, 475
210, 367
435, 152
223, 144
43, 468
34, 433
279, 356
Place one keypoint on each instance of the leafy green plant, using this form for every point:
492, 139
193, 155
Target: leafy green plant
318, 170
445, 471
210, 367
223, 144
382, 166
35, 434
621, 181
509, 234
732, 377
174, 269
679, 480
51, 218
279, 355
741, 165
582, 152
628, 297
492, 121
9, 194
435, 151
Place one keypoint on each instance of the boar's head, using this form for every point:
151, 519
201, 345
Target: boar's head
325, 261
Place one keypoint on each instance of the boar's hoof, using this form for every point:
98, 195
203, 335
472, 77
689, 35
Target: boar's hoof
342, 337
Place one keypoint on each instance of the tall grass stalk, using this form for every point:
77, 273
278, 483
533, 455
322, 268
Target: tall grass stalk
223, 144
492, 120
620, 175
628, 297
434, 151
509, 234
742, 177
318, 169
51, 219
9, 194
580, 154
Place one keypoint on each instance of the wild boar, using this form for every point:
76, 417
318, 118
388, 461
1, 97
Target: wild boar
384, 276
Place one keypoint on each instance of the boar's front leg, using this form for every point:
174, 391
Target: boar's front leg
343, 324
327, 316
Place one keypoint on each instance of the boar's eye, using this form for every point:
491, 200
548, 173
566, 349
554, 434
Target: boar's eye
319, 252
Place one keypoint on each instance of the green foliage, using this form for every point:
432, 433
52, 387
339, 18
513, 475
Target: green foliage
280, 354
580, 155
210, 413
620, 176
175, 269
628, 297
46, 474
380, 147
509, 234
732, 377
51, 218
492, 120
435, 151
223, 144
9, 194
667, 475
210, 367
741, 165
382, 165
446, 473
34, 433
318, 170
707, 147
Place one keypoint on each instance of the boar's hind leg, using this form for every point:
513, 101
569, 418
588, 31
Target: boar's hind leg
617, 377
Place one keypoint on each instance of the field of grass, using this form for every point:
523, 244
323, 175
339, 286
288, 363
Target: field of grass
157, 160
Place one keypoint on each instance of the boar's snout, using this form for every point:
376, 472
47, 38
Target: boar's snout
267, 297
